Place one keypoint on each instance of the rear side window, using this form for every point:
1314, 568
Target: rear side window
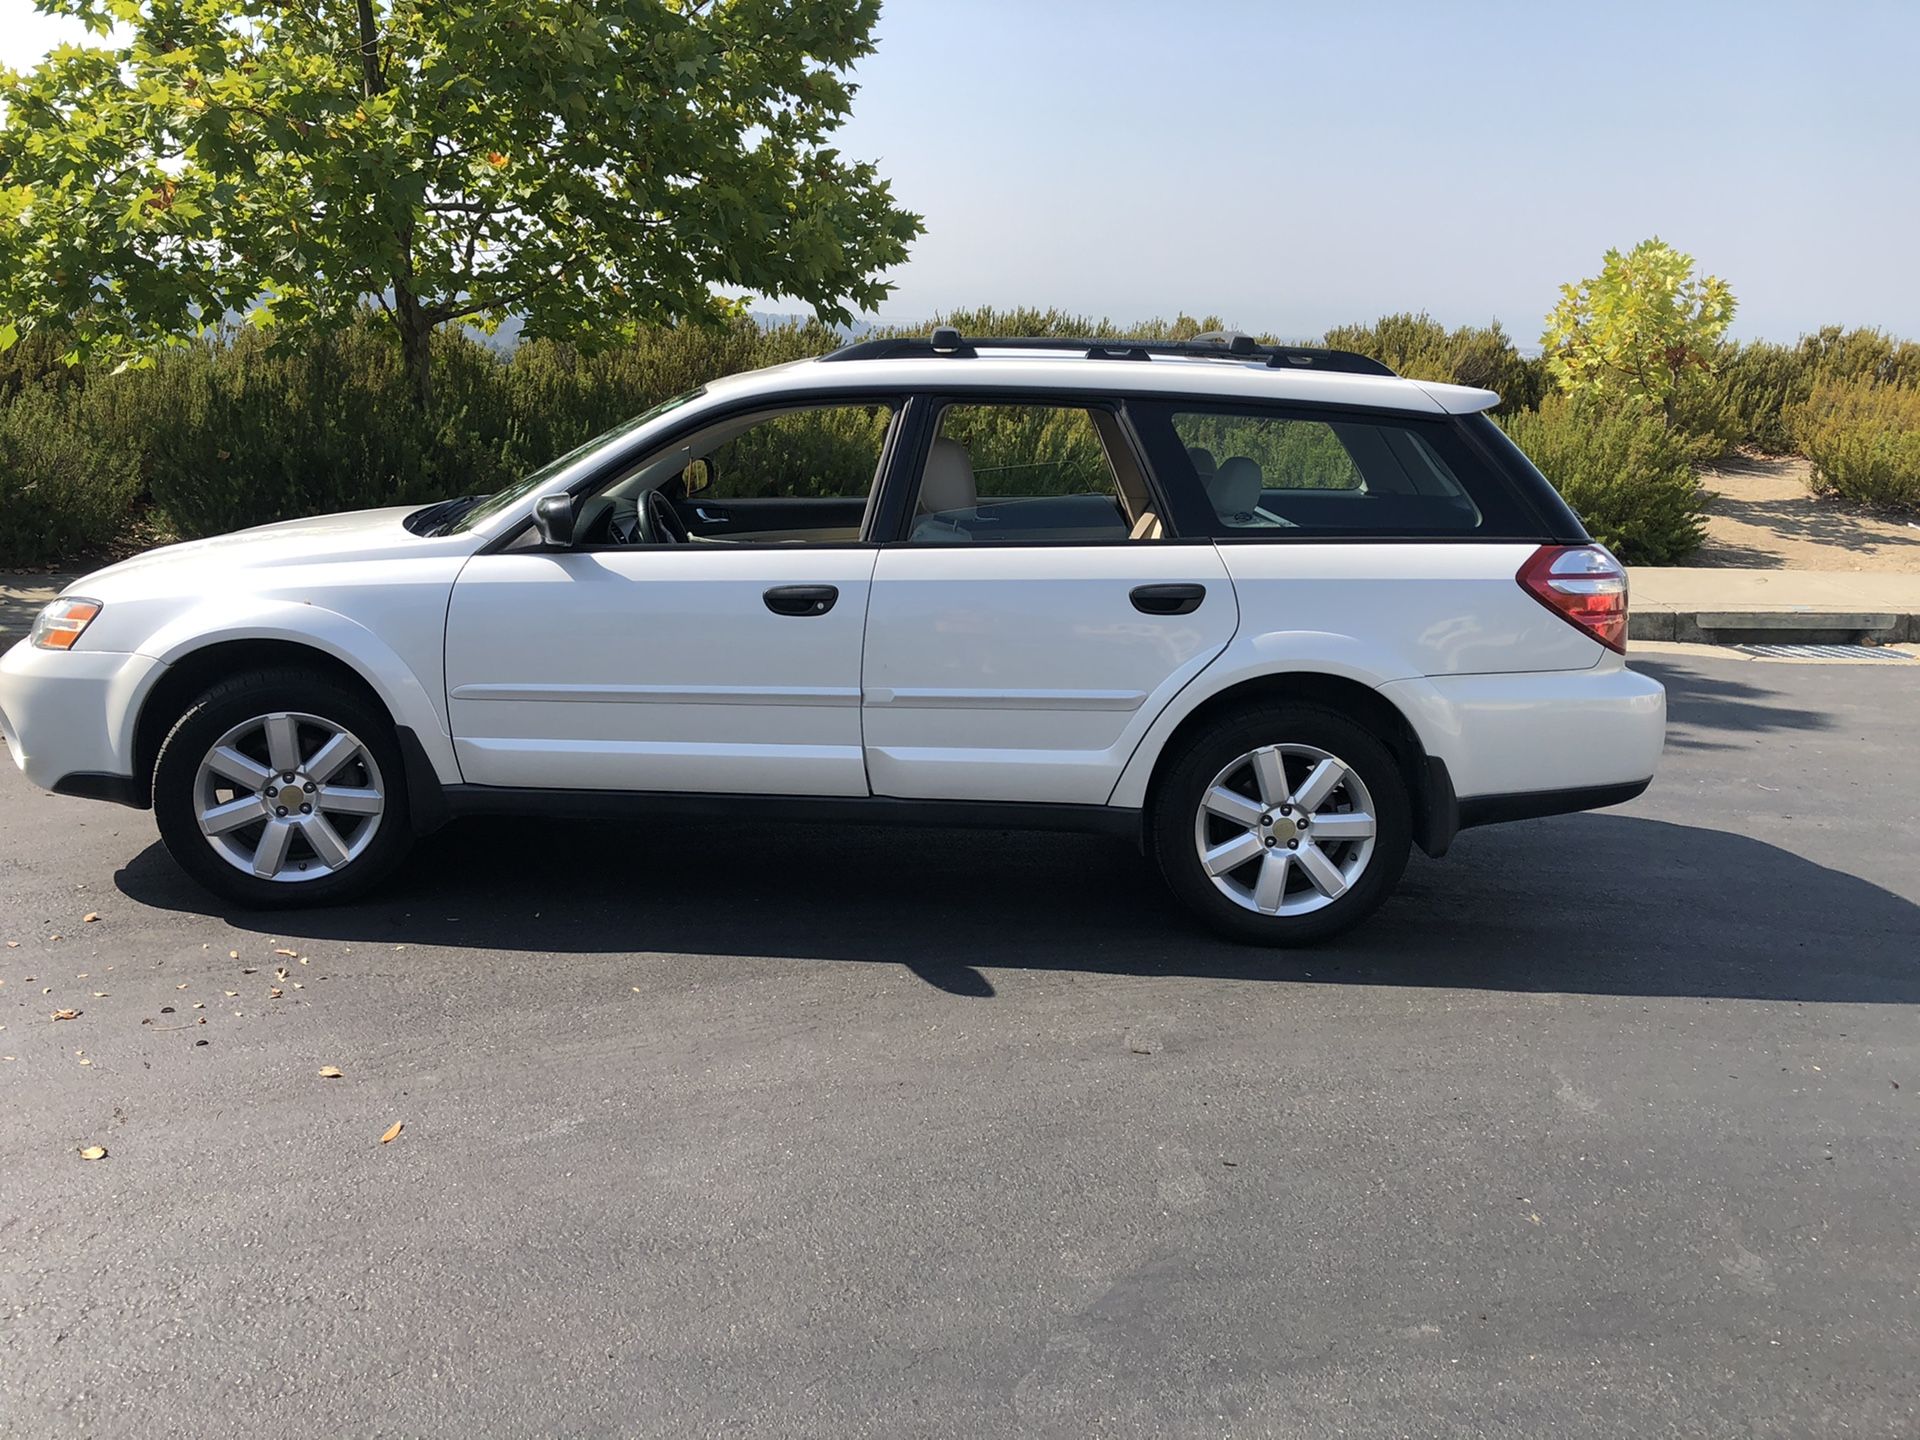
1265, 474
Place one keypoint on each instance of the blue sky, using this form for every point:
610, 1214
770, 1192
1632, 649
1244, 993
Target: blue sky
1291, 166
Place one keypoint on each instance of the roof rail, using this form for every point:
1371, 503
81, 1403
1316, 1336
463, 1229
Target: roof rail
948, 343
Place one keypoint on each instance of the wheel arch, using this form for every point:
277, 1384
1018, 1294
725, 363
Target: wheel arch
1429, 786
192, 670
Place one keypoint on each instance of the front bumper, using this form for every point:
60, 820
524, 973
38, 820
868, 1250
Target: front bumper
67, 717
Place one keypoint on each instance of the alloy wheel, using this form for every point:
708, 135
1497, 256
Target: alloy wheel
1285, 829
289, 797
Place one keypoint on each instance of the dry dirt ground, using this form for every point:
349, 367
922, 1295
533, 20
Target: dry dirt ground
1763, 517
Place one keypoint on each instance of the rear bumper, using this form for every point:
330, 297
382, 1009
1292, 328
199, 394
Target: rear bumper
1510, 742
68, 718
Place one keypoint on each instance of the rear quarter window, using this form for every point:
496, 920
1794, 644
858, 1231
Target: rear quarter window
1273, 474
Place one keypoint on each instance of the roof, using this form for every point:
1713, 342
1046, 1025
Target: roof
1222, 376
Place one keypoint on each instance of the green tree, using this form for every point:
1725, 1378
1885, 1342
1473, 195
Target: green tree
587, 165
1645, 327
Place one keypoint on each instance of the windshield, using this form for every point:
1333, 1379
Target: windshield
520, 489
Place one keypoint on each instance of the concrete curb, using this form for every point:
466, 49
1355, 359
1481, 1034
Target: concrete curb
1803, 624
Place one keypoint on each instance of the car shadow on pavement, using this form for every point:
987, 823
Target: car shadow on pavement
1705, 711
1599, 903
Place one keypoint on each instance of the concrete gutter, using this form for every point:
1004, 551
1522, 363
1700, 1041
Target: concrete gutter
1713, 605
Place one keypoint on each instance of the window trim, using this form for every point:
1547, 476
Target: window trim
1523, 525
905, 482
900, 402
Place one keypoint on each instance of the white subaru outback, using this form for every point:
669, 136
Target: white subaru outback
1275, 614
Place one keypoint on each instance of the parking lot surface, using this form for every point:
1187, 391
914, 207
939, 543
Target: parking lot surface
1606, 1125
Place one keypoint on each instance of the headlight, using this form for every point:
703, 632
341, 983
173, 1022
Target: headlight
63, 622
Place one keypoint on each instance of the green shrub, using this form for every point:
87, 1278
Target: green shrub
65, 491
1863, 440
263, 427
1629, 476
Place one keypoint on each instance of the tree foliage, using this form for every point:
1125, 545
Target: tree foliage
587, 165
1645, 328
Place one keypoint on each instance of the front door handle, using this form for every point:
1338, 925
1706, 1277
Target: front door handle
1168, 599
801, 599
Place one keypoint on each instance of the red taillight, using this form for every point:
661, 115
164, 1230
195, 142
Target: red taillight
1583, 585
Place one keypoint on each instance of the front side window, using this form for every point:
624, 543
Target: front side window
1285, 475
798, 475
1035, 474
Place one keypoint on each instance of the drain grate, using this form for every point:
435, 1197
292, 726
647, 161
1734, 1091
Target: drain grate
1823, 652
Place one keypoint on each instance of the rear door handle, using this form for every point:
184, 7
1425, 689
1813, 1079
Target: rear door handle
1168, 599
801, 599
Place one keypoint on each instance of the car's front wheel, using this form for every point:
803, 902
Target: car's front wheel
281, 789
1282, 824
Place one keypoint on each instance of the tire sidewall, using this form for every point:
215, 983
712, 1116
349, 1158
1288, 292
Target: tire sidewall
1178, 798
233, 703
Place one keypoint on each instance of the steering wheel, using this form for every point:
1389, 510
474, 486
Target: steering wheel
664, 524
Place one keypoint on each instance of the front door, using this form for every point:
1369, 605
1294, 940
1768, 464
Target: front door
1035, 621
725, 662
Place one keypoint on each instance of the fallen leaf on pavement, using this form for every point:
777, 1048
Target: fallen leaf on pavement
288, 953
230, 994
233, 954
89, 917
85, 1061
56, 937
13, 944
94, 1152
329, 1072
281, 973
180, 987
393, 1132
66, 1014
99, 994
275, 993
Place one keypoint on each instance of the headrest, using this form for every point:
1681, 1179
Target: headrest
1235, 487
948, 482
1202, 459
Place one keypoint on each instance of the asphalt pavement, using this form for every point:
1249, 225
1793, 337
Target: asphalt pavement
1607, 1125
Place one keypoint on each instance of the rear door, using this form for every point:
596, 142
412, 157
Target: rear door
1019, 638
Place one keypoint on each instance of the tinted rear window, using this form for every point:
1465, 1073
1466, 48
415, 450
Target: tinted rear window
1258, 474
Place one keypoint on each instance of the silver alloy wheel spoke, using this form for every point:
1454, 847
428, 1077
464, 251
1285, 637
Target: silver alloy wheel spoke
229, 762
328, 759
286, 820
1232, 805
1270, 775
271, 852
1325, 875
349, 800
325, 840
283, 743
1285, 856
1342, 825
1270, 890
1233, 854
1318, 785
232, 815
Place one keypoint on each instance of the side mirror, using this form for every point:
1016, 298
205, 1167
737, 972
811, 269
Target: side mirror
696, 477
553, 518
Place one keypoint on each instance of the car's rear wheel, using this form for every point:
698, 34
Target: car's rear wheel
279, 789
1282, 824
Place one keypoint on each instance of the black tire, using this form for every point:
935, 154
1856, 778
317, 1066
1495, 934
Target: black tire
1204, 754
232, 703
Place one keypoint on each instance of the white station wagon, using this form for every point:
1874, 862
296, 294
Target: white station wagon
1274, 614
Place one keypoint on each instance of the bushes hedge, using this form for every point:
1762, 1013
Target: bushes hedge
258, 426
1864, 441
66, 487
1628, 475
